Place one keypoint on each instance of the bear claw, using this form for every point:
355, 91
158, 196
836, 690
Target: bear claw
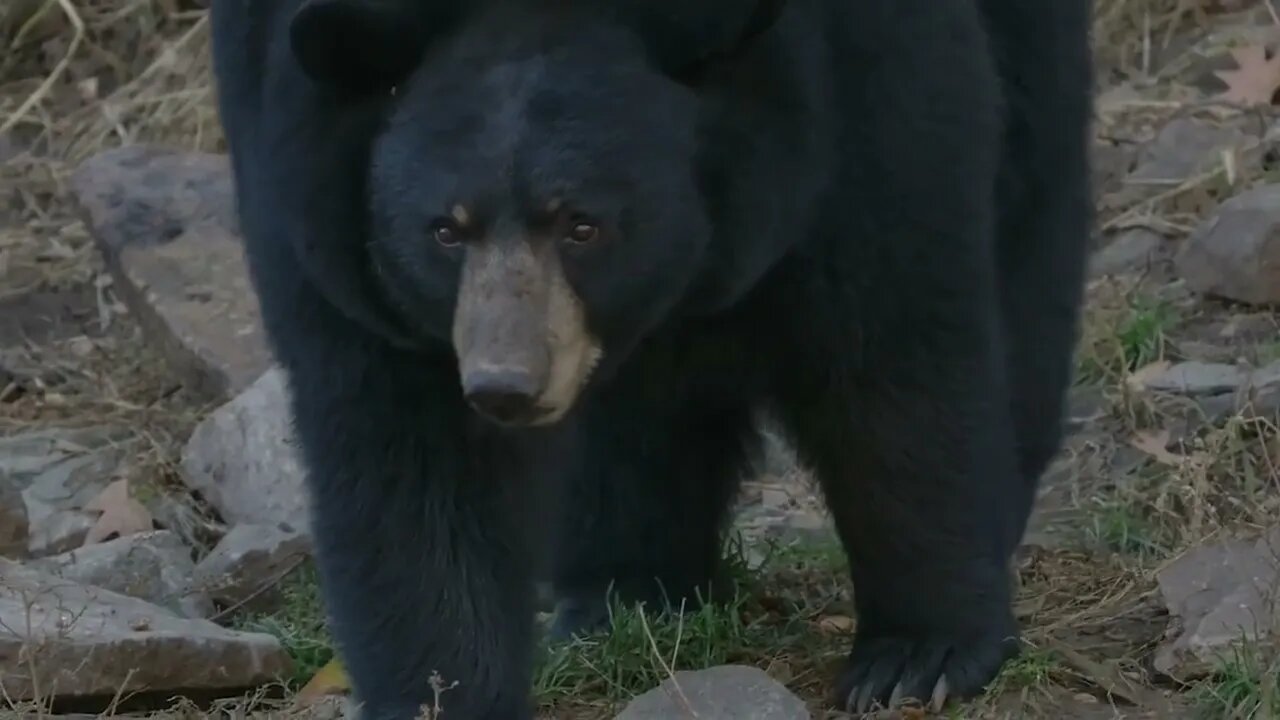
886, 672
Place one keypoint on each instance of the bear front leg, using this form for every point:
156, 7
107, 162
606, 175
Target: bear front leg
423, 526
917, 462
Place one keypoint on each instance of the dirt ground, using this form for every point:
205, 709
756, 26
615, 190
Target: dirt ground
78, 76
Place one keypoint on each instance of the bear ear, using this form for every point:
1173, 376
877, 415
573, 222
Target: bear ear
360, 46
690, 43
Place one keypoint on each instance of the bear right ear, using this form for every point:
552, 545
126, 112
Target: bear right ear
359, 46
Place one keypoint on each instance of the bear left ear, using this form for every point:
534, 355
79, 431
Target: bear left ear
360, 46
691, 41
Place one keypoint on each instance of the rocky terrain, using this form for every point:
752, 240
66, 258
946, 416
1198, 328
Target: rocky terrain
154, 551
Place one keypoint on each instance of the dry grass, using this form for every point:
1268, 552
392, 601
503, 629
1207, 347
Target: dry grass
78, 76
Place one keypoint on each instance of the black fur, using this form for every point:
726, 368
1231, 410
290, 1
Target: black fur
867, 217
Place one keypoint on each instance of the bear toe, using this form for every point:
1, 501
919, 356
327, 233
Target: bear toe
886, 672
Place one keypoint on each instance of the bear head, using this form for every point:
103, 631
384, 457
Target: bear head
534, 192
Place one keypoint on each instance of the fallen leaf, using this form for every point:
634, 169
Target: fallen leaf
1139, 378
1256, 80
328, 680
1153, 443
836, 624
121, 514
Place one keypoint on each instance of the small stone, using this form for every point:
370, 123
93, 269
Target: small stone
775, 497
1184, 147
248, 563
92, 643
166, 224
1195, 378
59, 531
81, 346
1220, 390
243, 461
153, 566
727, 692
1220, 594
1132, 250
836, 625
1236, 253
1109, 164
1085, 405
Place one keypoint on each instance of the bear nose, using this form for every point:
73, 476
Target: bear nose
506, 396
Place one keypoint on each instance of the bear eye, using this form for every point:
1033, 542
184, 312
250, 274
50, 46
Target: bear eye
444, 233
583, 232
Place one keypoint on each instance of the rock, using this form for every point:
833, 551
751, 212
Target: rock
91, 643
59, 471
1130, 251
1199, 378
1182, 148
1208, 352
1054, 522
13, 520
60, 531
728, 692
1221, 390
1109, 163
1236, 253
1220, 595
166, 223
243, 462
153, 566
247, 564
1085, 404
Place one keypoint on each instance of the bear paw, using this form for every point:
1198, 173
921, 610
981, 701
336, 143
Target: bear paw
886, 671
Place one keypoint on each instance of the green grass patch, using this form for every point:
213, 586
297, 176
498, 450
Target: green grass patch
773, 613
1121, 527
1121, 336
1246, 687
300, 624
1033, 668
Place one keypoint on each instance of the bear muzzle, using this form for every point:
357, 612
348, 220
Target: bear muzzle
520, 335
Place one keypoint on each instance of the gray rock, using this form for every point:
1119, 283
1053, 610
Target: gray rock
1221, 390
1183, 147
1199, 378
243, 461
1109, 164
1236, 253
1130, 251
86, 643
1055, 516
728, 692
1219, 595
153, 566
1085, 404
59, 532
59, 471
247, 564
166, 225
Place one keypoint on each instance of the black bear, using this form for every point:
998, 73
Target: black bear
532, 267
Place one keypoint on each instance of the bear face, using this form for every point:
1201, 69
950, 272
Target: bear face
534, 202
534, 191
